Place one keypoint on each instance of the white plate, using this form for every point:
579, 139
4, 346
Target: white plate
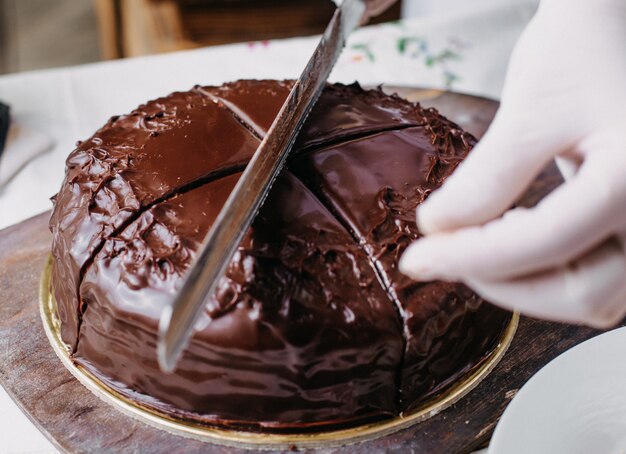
575, 404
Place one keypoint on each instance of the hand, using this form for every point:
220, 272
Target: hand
376, 8
565, 98
373, 8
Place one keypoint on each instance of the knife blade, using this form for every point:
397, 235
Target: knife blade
178, 320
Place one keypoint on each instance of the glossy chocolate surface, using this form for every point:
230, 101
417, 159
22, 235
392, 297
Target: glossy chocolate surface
300, 327
374, 185
313, 324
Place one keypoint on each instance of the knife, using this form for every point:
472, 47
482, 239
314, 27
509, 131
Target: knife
178, 320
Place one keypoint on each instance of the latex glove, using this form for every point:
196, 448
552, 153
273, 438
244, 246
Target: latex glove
376, 8
373, 8
564, 96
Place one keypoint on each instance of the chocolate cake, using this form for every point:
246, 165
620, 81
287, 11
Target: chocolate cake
313, 325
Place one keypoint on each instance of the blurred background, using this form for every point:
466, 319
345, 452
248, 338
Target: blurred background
38, 34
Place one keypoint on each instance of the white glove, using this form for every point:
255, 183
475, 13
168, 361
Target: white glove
564, 97
377, 7
373, 8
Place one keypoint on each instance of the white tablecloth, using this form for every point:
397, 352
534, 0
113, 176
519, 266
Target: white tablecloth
464, 46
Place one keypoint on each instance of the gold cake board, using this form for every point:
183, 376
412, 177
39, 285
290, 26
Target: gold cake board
256, 440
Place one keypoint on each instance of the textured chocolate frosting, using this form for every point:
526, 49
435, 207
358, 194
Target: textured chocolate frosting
313, 324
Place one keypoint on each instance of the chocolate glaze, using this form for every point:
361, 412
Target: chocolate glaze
255, 102
129, 163
313, 324
341, 112
374, 185
350, 111
301, 330
196, 136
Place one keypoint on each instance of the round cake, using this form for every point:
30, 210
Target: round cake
313, 325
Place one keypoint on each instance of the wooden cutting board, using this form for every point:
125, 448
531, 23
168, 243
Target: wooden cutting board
77, 421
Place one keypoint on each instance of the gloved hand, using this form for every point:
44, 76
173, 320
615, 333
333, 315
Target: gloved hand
373, 8
376, 7
564, 98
